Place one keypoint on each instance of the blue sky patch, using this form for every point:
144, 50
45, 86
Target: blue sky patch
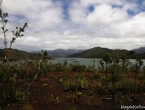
65, 7
91, 8
131, 12
116, 6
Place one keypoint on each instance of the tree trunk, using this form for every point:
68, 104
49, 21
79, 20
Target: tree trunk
106, 77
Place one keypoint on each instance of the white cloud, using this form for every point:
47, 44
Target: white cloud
106, 15
40, 13
133, 27
103, 14
108, 25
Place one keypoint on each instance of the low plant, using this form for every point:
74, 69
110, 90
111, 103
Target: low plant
20, 96
72, 109
53, 99
126, 86
27, 107
69, 98
66, 86
60, 80
79, 94
97, 75
44, 85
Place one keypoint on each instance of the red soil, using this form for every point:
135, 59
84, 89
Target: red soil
48, 94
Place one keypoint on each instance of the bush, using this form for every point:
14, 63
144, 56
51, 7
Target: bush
7, 87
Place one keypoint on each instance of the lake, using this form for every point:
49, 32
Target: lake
82, 61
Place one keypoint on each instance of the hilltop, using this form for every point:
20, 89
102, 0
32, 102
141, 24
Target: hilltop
60, 52
140, 50
98, 52
14, 53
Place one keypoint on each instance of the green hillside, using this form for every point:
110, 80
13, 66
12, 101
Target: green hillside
14, 53
142, 56
98, 52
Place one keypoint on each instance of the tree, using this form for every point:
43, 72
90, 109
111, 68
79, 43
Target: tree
18, 33
65, 64
114, 73
45, 54
131, 52
137, 67
106, 59
4, 22
123, 58
102, 64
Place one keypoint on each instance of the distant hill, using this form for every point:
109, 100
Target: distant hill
14, 53
140, 50
98, 52
60, 52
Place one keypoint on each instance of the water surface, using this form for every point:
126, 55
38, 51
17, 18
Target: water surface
83, 61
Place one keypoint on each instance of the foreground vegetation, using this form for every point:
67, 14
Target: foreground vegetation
116, 79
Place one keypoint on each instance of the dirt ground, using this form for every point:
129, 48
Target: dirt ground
48, 94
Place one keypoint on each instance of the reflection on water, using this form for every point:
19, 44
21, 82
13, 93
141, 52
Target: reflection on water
82, 61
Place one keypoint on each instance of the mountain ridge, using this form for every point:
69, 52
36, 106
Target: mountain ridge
98, 52
140, 50
95, 52
60, 52
15, 53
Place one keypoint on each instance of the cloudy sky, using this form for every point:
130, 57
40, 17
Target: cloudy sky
76, 24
